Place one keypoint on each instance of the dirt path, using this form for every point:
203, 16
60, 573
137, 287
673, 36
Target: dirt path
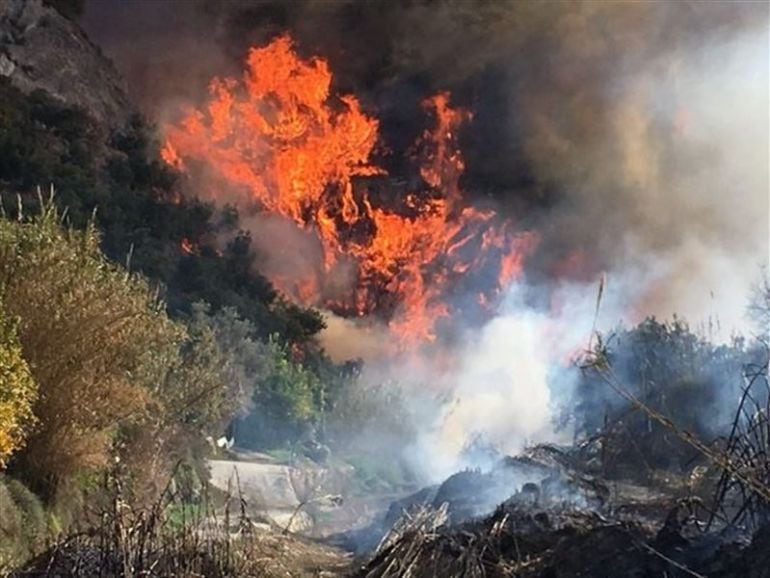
271, 489
282, 555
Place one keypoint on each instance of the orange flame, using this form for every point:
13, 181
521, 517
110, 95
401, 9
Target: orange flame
279, 138
188, 247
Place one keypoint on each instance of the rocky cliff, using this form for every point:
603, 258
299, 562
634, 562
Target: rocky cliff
41, 49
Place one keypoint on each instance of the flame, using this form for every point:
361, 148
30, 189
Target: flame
188, 247
444, 163
287, 145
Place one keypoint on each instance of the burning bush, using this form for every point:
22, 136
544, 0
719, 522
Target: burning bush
279, 142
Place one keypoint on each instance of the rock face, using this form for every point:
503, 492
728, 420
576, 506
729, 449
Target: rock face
41, 49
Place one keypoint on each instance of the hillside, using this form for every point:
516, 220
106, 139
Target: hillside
42, 50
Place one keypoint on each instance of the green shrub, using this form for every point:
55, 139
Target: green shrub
288, 402
88, 331
11, 535
27, 522
23, 524
117, 378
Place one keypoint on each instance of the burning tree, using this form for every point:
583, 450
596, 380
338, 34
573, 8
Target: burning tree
278, 140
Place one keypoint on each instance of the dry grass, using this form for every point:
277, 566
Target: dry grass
177, 538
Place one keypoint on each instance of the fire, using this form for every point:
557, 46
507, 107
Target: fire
188, 247
288, 146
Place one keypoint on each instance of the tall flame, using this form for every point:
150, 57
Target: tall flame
285, 144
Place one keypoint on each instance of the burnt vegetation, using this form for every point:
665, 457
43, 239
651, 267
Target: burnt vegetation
670, 480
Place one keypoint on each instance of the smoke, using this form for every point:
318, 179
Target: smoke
632, 136
635, 133
500, 393
677, 186
293, 258
345, 339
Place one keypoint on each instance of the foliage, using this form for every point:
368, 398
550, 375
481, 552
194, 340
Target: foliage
11, 532
115, 374
674, 372
283, 402
42, 142
280, 395
287, 402
85, 328
190, 403
142, 218
23, 525
234, 337
18, 390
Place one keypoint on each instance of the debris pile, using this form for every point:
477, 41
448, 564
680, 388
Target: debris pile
523, 542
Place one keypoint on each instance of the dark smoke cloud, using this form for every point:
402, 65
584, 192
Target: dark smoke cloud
632, 135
